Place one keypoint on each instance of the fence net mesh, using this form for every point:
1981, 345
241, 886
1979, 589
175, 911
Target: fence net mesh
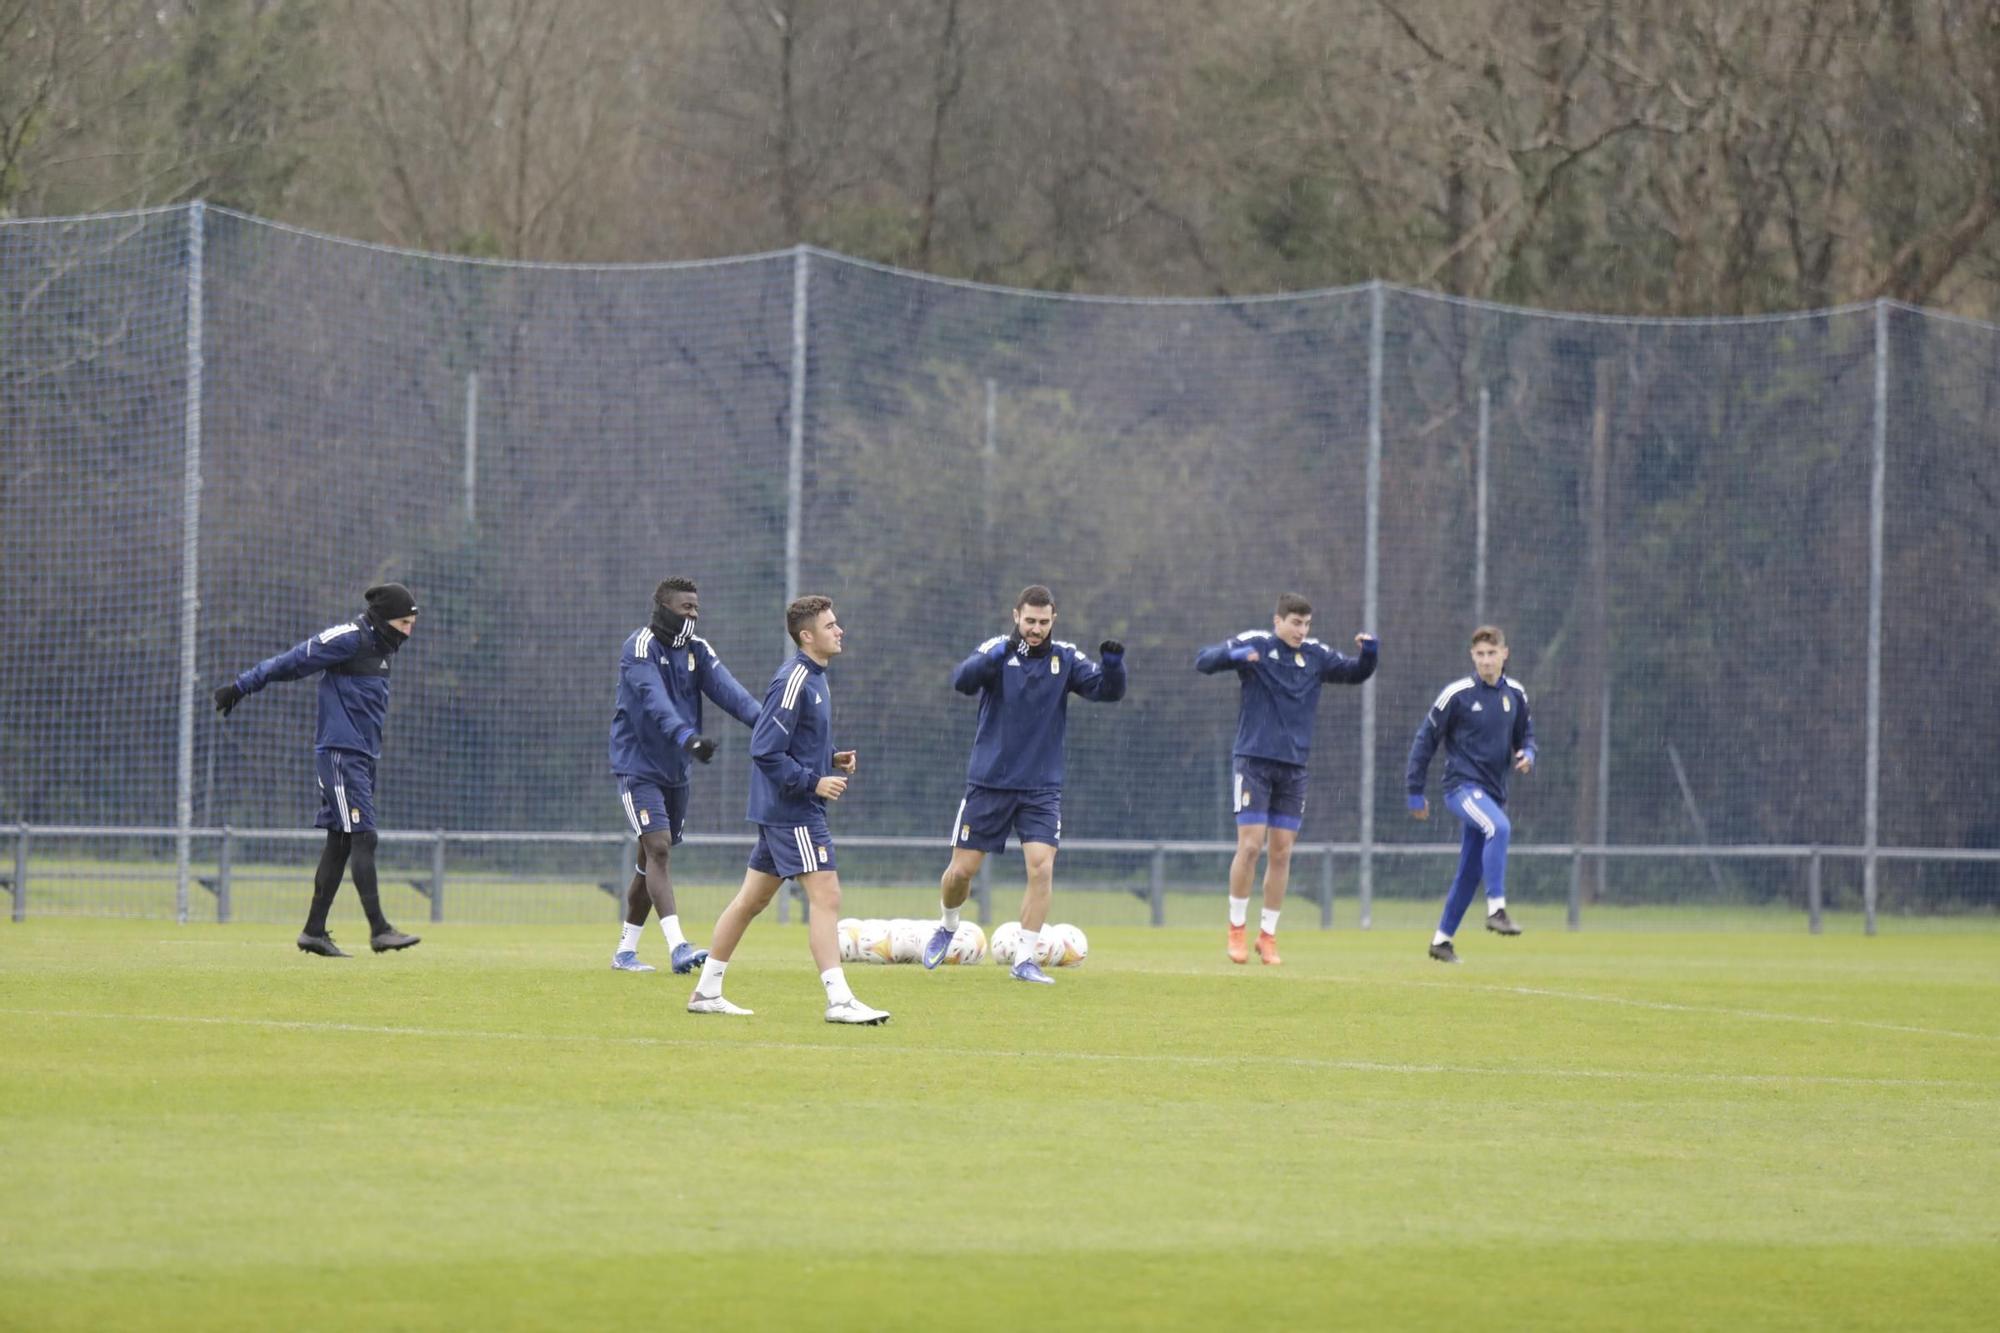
1676, 536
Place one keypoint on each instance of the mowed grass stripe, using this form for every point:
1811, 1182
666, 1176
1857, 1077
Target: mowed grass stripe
885, 1049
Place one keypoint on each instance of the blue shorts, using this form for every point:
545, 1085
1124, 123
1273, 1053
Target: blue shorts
987, 814
1268, 791
791, 850
346, 790
651, 808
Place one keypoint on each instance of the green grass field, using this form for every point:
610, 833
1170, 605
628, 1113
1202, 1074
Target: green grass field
201, 1128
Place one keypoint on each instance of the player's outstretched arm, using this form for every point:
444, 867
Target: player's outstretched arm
1100, 684
330, 647
981, 669
1346, 670
1229, 655
723, 689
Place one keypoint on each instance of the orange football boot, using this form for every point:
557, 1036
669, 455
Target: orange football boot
1267, 949
1239, 948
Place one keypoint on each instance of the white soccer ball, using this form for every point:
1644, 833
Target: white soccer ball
1061, 945
906, 939
848, 930
1006, 938
968, 944
872, 943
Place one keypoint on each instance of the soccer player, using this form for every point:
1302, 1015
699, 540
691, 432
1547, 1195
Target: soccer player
353, 659
1014, 781
794, 772
1482, 722
664, 670
1281, 670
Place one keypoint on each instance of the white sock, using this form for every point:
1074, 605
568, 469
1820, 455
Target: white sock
950, 918
670, 926
1496, 904
1024, 952
1267, 921
711, 977
1439, 937
628, 939
835, 982
1239, 911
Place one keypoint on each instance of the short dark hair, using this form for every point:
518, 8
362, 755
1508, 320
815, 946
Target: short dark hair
801, 614
1035, 595
675, 584
1291, 604
1489, 634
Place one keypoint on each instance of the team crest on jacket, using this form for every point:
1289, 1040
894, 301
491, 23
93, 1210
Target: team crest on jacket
1298, 659
1506, 704
690, 659
1055, 664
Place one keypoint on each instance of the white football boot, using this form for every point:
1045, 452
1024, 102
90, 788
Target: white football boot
852, 1010
715, 1004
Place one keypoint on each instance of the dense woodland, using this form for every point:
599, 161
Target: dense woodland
1659, 156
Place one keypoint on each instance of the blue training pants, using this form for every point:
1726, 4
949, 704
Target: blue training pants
1482, 852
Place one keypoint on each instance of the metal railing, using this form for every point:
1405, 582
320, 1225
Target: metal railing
431, 886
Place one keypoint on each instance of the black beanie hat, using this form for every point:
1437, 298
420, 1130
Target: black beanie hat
390, 601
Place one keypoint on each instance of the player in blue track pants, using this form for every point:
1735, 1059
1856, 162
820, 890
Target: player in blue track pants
1482, 722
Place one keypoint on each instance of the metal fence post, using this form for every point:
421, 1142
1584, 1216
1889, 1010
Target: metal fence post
1371, 578
1326, 890
1872, 780
1576, 888
223, 857
190, 560
1157, 888
437, 877
982, 890
795, 461
1814, 901
20, 872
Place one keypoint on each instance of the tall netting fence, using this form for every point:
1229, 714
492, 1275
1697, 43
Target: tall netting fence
1673, 521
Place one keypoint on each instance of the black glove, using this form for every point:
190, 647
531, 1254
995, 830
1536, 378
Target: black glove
701, 747
227, 697
1111, 648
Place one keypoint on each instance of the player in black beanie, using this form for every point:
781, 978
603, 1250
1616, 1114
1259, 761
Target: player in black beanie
352, 661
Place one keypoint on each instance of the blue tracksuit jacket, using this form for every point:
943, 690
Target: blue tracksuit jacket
1481, 727
791, 748
658, 703
1024, 709
353, 686
1281, 689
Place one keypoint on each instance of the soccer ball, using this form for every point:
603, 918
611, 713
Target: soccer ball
1063, 946
1006, 939
968, 944
906, 939
872, 943
848, 929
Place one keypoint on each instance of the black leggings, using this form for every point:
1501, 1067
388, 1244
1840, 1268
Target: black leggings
341, 850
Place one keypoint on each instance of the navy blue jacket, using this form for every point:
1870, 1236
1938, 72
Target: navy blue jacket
1281, 689
353, 689
657, 706
791, 748
1481, 727
1024, 709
